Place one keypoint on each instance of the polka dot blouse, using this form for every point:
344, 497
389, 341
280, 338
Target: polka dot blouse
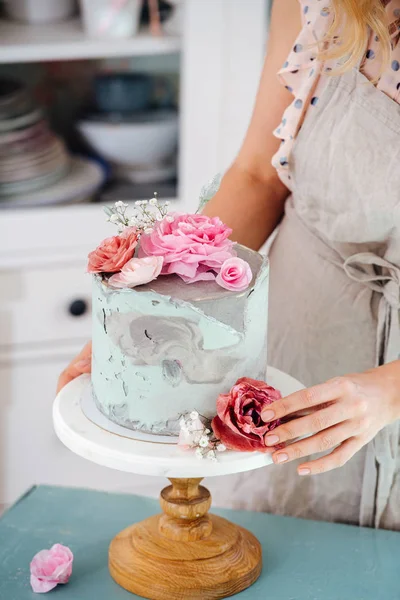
305, 76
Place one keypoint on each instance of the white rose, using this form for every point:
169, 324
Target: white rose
137, 271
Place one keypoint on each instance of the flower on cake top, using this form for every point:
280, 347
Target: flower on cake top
235, 275
114, 252
152, 242
192, 246
137, 271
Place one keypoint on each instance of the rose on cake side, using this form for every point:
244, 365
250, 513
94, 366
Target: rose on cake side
238, 424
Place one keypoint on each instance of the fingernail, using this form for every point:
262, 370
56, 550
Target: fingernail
271, 440
268, 415
280, 458
81, 364
303, 472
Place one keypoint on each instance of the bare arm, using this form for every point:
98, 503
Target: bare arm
251, 197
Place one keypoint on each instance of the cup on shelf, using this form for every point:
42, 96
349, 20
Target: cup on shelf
125, 93
111, 18
38, 12
122, 92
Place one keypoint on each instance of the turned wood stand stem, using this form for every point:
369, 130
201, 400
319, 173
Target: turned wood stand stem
185, 504
185, 553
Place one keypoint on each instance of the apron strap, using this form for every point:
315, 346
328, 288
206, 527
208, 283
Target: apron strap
382, 452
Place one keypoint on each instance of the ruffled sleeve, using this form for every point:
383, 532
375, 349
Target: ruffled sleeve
301, 74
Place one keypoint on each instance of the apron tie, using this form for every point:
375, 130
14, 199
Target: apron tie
382, 452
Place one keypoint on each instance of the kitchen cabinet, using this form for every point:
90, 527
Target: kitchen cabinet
43, 251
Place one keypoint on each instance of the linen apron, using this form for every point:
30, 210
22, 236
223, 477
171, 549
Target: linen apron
335, 295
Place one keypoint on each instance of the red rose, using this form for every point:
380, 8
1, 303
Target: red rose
238, 424
113, 252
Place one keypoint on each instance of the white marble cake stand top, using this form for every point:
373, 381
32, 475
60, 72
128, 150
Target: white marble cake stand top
115, 450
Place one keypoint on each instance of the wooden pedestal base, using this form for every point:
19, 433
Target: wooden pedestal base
185, 553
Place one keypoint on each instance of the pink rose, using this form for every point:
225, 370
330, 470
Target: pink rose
192, 246
137, 271
113, 252
235, 275
238, 423
51, 567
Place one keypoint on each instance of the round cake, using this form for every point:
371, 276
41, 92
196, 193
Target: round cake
166, 348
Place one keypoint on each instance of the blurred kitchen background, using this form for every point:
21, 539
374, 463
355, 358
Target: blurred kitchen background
100, 100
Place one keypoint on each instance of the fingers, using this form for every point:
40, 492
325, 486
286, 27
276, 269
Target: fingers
305, 399
320, 442
79, 365
312, 423
337, 458
85, 353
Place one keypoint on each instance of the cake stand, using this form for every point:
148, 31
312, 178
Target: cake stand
184, 553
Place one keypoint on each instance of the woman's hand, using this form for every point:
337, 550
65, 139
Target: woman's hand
344, 413
80, 364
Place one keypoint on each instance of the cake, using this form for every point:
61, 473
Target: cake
165, 348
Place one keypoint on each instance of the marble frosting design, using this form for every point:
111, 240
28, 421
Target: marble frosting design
166, 348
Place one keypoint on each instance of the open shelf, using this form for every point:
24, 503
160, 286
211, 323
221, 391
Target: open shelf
68, 41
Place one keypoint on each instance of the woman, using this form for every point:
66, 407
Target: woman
334, 188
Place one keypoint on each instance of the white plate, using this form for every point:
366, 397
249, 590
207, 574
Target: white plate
22, 121
84, 178
104, 447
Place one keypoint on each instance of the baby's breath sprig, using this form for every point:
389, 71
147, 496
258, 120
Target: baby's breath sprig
196, 432
145, 214
117, 214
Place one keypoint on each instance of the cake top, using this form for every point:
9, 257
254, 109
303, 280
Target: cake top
160, 251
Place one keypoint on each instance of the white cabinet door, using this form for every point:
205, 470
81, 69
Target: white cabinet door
30, 452
43, 304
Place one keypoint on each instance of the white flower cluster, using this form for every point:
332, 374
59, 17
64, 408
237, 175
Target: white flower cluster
195, 432
144, 216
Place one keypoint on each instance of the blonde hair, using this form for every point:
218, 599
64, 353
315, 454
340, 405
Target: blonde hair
352, 22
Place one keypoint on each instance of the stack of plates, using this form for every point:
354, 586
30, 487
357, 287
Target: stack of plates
33, 159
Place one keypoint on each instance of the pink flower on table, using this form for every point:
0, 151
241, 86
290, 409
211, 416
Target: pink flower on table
238, 423
192, 246
137, 271
113, 252
235, 275
51, 567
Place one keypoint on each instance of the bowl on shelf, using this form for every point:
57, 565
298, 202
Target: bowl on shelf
39, 11
142, 139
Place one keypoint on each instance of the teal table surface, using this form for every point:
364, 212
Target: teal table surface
303, 560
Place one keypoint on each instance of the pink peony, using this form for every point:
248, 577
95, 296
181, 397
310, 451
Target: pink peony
192, 246
113, 252
51, 567
235, 275
238, 423
137, 271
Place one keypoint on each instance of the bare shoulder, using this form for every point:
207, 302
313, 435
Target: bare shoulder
286, 24
272, 99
